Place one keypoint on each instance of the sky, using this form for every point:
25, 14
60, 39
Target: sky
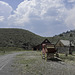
42, 17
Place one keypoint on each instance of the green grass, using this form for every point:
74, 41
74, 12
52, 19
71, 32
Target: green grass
1, 53
10, 49
7, 50
67, 58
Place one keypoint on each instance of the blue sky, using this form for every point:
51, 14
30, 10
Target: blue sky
43, 17
13, 3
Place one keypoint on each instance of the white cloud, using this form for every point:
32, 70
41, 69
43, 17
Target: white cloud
21, 14
44, 15
70, 19
5, 10
1, 18
41, 9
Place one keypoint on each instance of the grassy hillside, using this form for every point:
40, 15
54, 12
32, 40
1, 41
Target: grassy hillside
69, 35
10, 37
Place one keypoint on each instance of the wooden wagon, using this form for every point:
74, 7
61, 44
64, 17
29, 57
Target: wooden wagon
48, 51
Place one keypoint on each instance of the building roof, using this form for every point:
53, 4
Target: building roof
66, 43
46, 41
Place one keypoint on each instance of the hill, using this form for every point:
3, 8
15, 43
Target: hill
11, 37
69, 35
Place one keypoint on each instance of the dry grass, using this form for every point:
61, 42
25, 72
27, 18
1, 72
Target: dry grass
67, 58
31, 63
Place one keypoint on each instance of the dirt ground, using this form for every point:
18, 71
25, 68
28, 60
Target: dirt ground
31, 63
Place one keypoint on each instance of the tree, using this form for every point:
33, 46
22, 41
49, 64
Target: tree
61, 35
71, 35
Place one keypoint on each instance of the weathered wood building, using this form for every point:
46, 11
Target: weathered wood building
46, 41
39, 47
63, 46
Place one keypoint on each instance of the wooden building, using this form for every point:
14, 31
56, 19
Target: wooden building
48, 49
39, 46
63, 46
46, 41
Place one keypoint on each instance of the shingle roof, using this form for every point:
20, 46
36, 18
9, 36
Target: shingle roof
66, 43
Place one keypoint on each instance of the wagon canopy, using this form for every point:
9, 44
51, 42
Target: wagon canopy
51, 49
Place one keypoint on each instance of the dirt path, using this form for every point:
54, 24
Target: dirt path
31, 63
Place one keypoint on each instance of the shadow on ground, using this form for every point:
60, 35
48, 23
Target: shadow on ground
54, 59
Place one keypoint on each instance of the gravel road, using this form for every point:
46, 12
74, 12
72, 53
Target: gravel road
31, 63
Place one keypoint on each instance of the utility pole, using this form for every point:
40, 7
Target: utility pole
70, 50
